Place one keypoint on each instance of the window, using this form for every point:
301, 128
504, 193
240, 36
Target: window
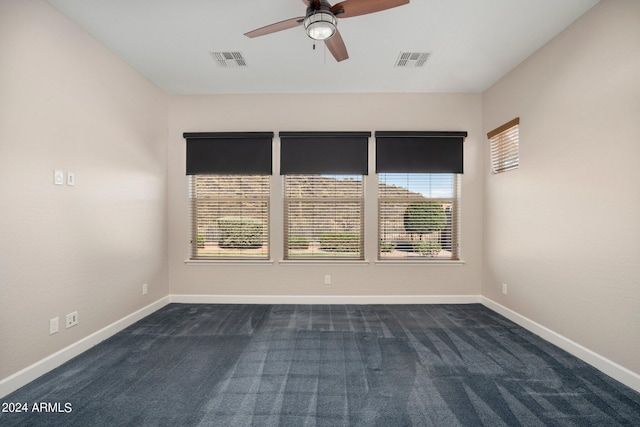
229, 216
324, 194
505, 147
324, 217
419, 194
229, 174
418, 216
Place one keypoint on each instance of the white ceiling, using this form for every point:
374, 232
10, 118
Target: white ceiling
472, 43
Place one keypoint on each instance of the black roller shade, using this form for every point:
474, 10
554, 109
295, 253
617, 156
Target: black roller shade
324, 153
419, 152
229, 153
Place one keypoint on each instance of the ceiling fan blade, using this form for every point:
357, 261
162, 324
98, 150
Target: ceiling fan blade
349, 8
278, 26
336, 46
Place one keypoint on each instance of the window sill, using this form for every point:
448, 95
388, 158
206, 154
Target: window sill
420, 262
307, 262
228, 262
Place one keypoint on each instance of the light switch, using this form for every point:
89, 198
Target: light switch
71, 178
58, 177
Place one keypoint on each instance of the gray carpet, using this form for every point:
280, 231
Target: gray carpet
330, 365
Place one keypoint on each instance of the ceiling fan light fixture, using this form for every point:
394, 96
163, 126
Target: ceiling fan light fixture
320, 25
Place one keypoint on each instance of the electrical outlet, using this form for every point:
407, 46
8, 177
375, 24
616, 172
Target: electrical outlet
504, 288
145, 288
327, 279
72, 319
53, 326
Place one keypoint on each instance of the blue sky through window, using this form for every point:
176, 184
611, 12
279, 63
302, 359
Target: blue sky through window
430, 185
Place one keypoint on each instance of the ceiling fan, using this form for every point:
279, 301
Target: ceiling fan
320, 21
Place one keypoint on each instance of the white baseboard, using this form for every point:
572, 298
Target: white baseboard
612, 369
30, 373
325, 299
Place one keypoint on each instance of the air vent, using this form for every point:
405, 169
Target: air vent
412, 59
229, 59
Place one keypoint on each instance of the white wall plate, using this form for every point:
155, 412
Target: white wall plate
58, 177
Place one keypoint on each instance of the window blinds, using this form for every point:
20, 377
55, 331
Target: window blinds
418, 216
505, 147
230, 216
324, 217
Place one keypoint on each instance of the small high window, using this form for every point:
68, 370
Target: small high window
505, 147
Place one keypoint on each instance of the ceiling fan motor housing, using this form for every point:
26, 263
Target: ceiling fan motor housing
320, 23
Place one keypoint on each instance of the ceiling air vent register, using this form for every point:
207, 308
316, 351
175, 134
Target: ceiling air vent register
229, 59
412, 59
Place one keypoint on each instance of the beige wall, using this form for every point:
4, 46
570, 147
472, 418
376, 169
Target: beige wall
341, 112
563, 231
67, 103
